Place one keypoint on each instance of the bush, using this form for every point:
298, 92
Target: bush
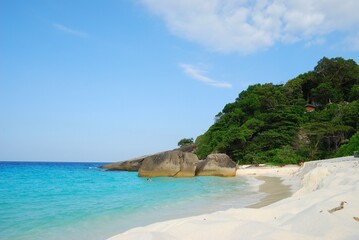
349, 148
285, 155
255, 158
185, 141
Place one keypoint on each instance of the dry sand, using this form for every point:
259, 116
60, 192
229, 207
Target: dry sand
312, 212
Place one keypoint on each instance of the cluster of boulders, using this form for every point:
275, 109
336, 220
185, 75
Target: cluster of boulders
177, 163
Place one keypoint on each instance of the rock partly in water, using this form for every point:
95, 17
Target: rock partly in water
218, 164
129, 165
169, 164
177, 163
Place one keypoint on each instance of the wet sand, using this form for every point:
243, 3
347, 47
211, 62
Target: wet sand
275, 190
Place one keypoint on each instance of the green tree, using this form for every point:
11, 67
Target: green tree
354, 93
185, 141
266, 120
339, 73
293, 89
285, 155
349, 148
351, 115
325, 138
325, 93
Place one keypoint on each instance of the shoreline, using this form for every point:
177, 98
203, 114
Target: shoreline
277, 183
274, 189
318, 186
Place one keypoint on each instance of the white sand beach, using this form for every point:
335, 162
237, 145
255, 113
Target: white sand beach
325, 205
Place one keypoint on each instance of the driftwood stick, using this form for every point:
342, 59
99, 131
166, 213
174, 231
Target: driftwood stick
341, 206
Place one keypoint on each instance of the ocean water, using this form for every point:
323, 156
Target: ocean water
80, 201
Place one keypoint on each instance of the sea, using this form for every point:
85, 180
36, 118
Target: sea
58, 200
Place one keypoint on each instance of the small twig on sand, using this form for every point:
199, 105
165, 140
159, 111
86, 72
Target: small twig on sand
356, 219
337, 208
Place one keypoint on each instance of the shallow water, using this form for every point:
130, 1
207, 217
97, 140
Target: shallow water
79, 201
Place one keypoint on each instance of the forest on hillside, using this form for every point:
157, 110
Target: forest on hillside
313, 116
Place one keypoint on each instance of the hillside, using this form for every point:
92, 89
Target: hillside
310, 117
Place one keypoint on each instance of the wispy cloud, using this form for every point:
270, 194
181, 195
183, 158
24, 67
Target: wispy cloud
199, 75
248, 26
68, 30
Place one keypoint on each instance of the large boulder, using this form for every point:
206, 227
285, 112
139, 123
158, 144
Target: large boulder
191, 148
217, 164
169, 164
129, 165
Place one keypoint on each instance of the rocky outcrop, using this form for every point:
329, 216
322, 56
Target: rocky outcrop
218, 164
169, 164
177, 163
130, 165
191, 148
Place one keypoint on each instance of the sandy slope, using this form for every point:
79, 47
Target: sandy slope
323, 186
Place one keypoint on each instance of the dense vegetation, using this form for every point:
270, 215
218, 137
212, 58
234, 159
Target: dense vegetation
269, 123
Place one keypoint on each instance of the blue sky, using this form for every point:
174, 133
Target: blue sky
115, 79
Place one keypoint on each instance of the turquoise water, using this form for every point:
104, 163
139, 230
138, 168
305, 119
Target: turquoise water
79, 201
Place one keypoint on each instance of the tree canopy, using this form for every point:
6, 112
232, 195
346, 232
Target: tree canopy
185, 141
268, 123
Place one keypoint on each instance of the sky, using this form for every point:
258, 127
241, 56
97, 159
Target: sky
104, 81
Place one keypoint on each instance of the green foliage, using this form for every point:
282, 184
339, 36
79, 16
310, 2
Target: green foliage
325, 136
324, 93
351, 115
268, 123
354, 93
285, 155
350, 147
185, 141
293, 89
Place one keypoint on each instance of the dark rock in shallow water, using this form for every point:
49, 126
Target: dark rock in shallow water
129, 165
169, 164
218, 164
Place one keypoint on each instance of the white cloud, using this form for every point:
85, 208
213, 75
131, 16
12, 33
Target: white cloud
199, 75
250, 25
68, 30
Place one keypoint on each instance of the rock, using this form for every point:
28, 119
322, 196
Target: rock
169, 164
177, 163
191, 148
218, 164
129, 165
